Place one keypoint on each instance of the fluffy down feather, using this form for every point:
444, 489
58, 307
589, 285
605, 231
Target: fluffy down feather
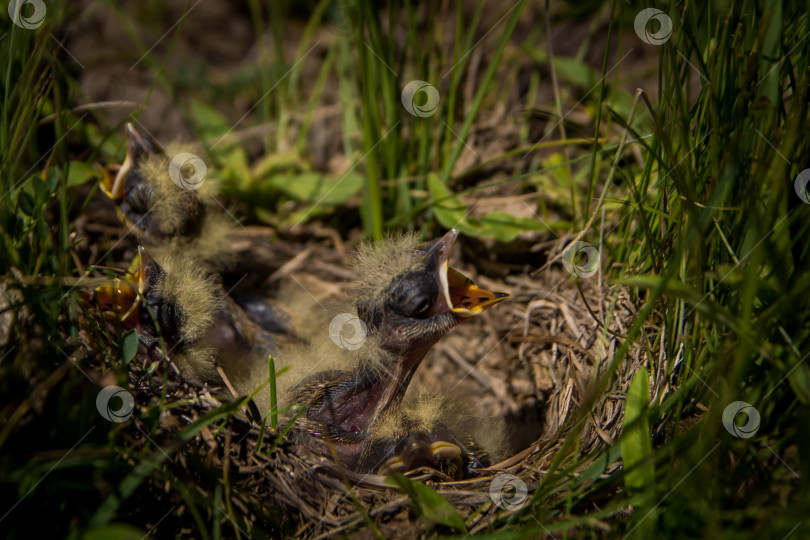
379, 264
323, 351
210, 247
194, 291
189, 219
428, 410
169, 198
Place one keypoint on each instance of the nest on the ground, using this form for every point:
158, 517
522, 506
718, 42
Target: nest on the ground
546, 362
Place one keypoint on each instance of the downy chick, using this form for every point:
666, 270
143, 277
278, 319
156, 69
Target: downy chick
154, 199
180, 307
408, 299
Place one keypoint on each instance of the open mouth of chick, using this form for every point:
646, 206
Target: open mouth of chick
114, 177
465, 298
121, 297
461, 295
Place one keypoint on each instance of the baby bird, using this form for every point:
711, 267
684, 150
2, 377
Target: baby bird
180, 307
155, 200
408, 299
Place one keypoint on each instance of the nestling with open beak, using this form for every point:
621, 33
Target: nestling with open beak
181, 311
166, 213
408, 299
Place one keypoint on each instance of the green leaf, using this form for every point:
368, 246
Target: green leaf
26, 203
437, 509
80, 172
636, 445
600, 465
210, 123
317, 188
212, 126
452, 213
278, 163
428, 504
799, 380
576, 72
449, 210
40, 190
235, 168
129, 346
505, 227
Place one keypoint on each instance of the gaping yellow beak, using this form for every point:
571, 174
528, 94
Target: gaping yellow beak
441, 455
120, 297
461, 294
108, 176
114, 178
465, 297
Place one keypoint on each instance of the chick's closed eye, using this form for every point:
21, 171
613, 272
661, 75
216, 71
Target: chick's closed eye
415, 296
138, 197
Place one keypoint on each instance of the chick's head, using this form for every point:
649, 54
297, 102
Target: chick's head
410, 297
152, 197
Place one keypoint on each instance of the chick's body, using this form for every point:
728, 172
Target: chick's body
404, 302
